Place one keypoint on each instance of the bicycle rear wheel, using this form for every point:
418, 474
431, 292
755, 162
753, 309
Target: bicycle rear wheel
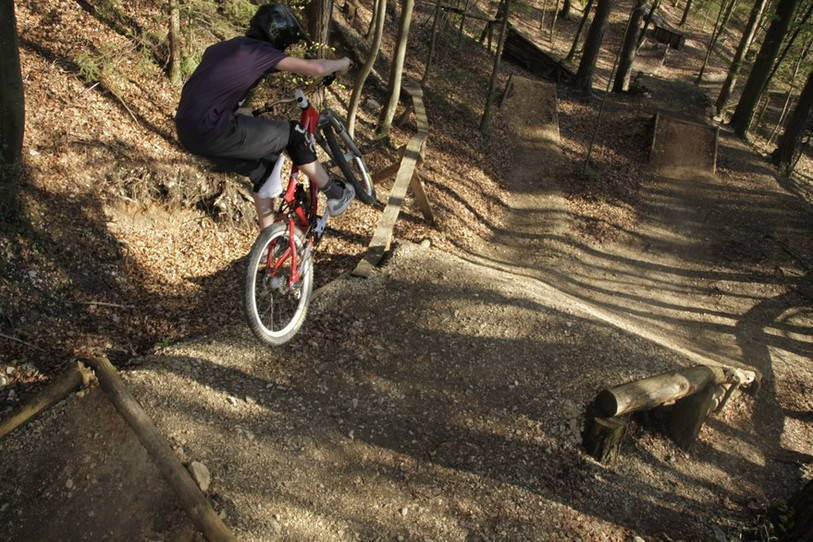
275, 308
347, 156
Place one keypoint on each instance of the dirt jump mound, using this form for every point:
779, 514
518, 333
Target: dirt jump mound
682, 149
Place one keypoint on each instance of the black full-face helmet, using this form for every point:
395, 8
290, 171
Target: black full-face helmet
276, 24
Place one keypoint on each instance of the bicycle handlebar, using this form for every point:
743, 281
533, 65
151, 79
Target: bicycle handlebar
324, 82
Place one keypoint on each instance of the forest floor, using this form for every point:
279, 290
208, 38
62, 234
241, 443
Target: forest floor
443, 398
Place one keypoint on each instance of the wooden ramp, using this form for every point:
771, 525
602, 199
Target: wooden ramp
681, 148
521, 50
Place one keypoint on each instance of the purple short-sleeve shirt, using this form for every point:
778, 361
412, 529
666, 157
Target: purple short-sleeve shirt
227, 71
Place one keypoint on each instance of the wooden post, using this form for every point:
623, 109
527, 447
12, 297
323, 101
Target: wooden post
189, 495
76, 377
603, 437
688, 415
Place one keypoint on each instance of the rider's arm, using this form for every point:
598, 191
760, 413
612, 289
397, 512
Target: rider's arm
314, 68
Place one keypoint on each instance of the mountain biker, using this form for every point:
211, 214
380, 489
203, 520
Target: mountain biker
211, 122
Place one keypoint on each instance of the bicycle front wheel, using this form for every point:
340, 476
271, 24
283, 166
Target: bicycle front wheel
275, 305
347, 156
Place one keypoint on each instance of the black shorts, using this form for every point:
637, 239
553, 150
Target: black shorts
252, 145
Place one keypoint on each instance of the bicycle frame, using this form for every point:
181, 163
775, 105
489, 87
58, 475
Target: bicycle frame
297, 213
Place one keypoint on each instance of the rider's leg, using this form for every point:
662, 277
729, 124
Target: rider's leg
265, 211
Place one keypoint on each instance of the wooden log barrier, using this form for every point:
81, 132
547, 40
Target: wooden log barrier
694, 392
665, 388
78, 376
193, 501
406, 176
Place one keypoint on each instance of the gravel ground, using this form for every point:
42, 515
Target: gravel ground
443, 398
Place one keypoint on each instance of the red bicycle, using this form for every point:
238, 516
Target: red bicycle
279, 276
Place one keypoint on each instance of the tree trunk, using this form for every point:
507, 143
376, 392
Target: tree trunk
542, 16
553, 23
622, 78
789, 142
686, 12
648, 20
742, 50
317, 15
378, 25
796, 66
385, 120
567, 6
760, 72
592, 46
718, 29
583, 20
174, 43
799, 26
434, 40
371, 26
12, 113
486, 120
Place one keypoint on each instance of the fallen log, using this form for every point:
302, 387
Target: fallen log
190, 496
683, 399
666, 388
74, 378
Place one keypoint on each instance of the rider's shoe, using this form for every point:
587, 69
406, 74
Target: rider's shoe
339, 195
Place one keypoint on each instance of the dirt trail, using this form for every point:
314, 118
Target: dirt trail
442, 399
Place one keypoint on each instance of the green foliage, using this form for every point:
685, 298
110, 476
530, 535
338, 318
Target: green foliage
239, 11
89, 64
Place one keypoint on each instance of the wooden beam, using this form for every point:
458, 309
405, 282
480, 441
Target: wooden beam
420, 196
189, 495
666, 388
76, 377
412, 156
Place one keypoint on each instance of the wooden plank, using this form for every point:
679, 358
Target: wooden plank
413, 154
420, 197
603, 437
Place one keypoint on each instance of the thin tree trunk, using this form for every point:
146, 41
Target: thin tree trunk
12, 113
758, 78
396, 71
592, 46
378, 20
372, 19
174, 43
718, 28
792, 39
789, 142
622, 77
742, 50
432, 44
541, 17
655, 4
462, 22
553, 23
582, 22
797, 65
485, 122
686, 12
